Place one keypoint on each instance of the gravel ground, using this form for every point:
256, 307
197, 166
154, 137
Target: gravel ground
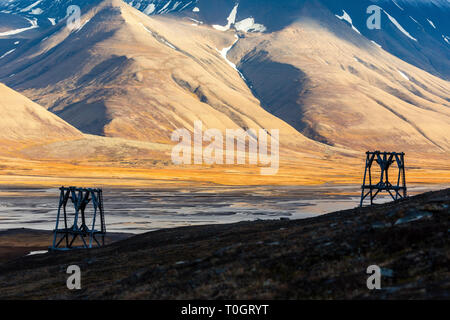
319, 258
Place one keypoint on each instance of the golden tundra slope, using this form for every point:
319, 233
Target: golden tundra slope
28, 130
24, 122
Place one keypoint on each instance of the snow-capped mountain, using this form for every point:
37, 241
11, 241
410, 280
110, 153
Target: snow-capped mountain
417, 31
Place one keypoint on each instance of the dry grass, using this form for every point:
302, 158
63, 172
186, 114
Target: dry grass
140, 172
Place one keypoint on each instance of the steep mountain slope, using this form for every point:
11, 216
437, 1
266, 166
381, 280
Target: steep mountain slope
417, 32
344, 92
23, 121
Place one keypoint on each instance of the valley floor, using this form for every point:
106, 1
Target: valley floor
295, 170
324, 257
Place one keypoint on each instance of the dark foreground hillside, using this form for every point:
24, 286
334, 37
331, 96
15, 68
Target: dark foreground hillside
324, 257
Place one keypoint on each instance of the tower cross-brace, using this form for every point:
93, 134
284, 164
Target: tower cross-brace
384, 160
80, 197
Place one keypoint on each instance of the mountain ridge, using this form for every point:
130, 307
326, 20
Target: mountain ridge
402, 21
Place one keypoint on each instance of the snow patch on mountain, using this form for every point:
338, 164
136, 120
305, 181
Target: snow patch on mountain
82, 26
446, 39
185, 6
164, 9
418, 3
32, 253
153, 7
403, 75
395, 2
37, 11
31, 6
246, 25
159, 38
378, 45
150, 9
231, 20
167, 43
196, 21
415, 21
147, 29
17, 31
249, 25
9, 52
224, 54
346, 17
399, 27
431, 23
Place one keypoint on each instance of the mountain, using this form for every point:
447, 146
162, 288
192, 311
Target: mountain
123, 74
314, 72
24, 122
416, 31
29, 131
335, 86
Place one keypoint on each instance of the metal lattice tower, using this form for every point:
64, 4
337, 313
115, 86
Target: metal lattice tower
81, 228
385, 161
